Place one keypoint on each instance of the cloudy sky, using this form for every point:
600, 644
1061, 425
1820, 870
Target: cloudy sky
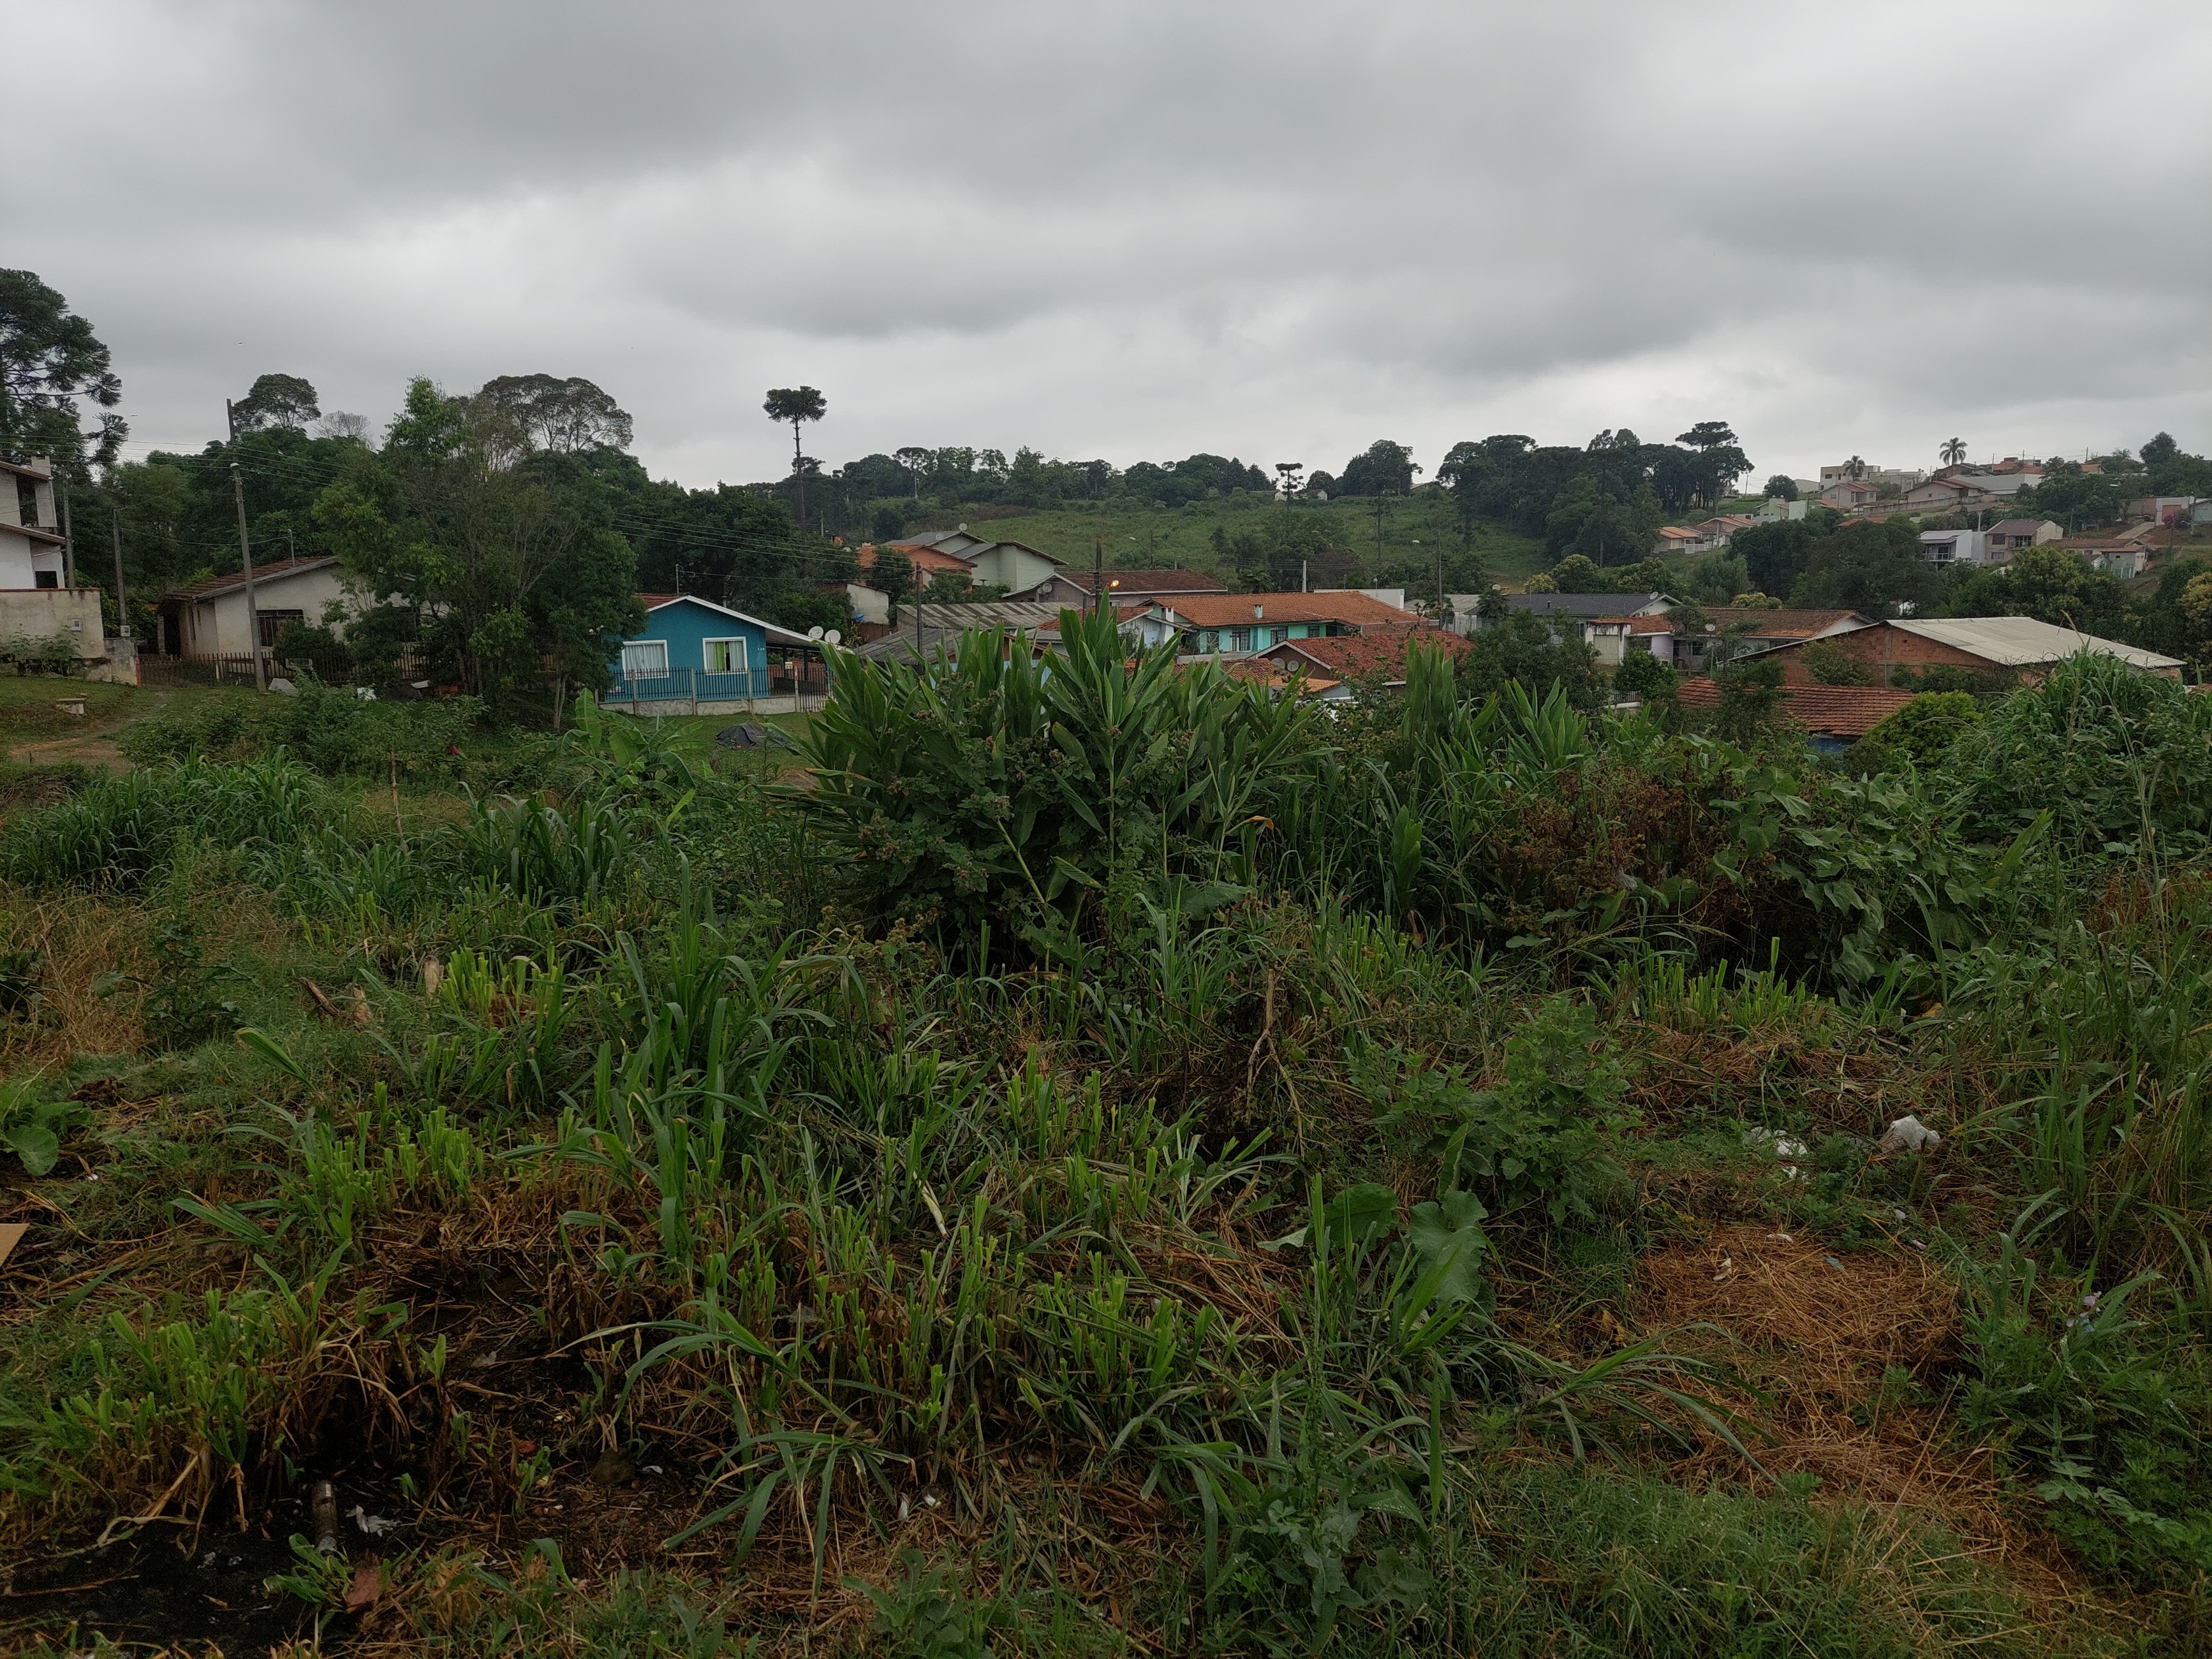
1138, 230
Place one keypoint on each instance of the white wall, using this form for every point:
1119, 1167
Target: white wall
217, 627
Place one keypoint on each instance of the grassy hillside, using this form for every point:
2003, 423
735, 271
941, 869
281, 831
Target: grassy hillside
1137, 537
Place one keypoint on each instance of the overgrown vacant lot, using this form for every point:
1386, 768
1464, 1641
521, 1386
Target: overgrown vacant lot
1099, 1162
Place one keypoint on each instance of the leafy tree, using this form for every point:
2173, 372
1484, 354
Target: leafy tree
915, 459
1277, 552
562, 417
1871, 569
1652, 682
2076, 499
2051, 584
1593, 517
1751, 703
1782, 488
504, 561
2161, 449
1576, 574
1384, 466
276, 400
50, 359
891, 574
796, 405
1518, 647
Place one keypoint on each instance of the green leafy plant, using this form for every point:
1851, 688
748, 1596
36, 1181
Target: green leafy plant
33, 1122
1543, 1133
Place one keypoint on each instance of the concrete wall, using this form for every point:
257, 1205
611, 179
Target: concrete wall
42, 612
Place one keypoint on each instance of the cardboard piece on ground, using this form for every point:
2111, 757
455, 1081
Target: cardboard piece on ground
11, 1235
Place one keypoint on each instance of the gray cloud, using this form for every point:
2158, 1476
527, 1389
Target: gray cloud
1139, 229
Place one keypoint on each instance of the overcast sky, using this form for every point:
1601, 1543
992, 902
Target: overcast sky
1135, 231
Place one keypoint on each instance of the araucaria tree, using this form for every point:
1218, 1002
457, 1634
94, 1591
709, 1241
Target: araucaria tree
796, 405
50, 359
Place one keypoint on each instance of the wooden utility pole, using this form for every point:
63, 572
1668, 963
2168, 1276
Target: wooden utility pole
1098, 573
68, 542
246, 553
115, 534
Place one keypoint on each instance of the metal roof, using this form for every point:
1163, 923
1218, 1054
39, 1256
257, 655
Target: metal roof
1589, 605
2022, 641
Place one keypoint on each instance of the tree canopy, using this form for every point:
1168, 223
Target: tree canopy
50, 361
276, 400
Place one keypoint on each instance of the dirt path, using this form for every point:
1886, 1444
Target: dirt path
90, 748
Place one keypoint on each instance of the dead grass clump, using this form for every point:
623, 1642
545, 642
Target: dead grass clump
78, 942
1848, 1357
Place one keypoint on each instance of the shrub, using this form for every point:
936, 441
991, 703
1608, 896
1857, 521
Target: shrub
1922, 733
1830, 663
1542, 1133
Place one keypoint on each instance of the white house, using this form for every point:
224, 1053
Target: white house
208, 619
1014, 566
30, 532
36, 601
1947, 547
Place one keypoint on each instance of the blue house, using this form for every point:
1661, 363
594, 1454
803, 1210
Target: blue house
693, 656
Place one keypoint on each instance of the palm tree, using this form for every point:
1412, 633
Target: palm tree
1954, 451
797, 405
1855, 468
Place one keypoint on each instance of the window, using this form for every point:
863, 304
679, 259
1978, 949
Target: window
46, 578
726, 656
645, 659
271, 622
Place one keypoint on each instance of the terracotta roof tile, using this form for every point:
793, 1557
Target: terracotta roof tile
1828, 711
1235, 609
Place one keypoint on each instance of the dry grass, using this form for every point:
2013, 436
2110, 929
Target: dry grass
1847, 1359
79, 940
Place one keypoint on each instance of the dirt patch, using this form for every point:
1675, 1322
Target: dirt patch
72, 751
1847, 1359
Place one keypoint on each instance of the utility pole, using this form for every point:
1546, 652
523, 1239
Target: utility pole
1098, 573
68, 542
246, 553
122, 615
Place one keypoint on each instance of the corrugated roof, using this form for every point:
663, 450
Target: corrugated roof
2024, 642
1592, 606
1789, 624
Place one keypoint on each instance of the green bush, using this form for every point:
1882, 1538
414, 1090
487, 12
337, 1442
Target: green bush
1922, 733
1543, 1134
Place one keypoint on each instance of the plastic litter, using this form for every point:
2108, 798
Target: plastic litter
1910, 1134
374, 1525
1785, 1147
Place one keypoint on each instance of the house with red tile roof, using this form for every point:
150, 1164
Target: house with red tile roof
1833, 716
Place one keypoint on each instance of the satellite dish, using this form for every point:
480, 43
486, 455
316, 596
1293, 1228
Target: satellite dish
815, 632
832, 637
